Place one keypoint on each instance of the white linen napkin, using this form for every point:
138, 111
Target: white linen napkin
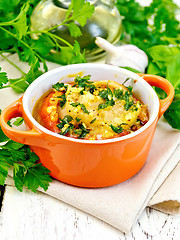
122, 204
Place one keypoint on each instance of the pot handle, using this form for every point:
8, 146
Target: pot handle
30, 137
165, 85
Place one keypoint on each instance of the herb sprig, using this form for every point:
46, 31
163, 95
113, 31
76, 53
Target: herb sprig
156, 30
27, 171
16, 38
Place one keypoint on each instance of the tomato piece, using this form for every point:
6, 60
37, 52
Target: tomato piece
48, 112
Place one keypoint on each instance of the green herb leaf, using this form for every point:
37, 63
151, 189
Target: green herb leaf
62, 102
172, 115
78, 119
37, 176
106, 104
128, 102
118, 93
18, 176
4, 167
74, 30
117, 129
3, 78
173, 71
81, 105
84, 131
130, 69
84, 83
20, 23
18, 121
24, 162
66, 120
58, 86
81, 11
108, 96
93, 121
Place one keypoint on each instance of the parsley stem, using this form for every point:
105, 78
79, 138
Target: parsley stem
13, 64
53, 36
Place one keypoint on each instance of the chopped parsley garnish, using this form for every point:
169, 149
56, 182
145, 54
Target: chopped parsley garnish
81, 105
134, 108
119, 129
93, 121
71, 126
130, 89
65, 121
78, 119
62, 100
78, 131
82, 131
65, 126
128, 102
118, 93
127, 97
58, 86
83, 82
107, 95
106, 104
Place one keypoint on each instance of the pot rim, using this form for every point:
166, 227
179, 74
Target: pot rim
77, 67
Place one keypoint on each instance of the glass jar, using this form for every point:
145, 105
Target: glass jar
105, 22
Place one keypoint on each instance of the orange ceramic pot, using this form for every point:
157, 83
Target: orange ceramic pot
88, 163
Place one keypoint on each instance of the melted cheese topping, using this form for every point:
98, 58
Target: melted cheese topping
100, 110
112, 115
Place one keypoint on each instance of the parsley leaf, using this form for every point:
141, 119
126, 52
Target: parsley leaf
16, 35
172, 115
81, 105
107, 95
81, 11
128, 103
18, 121
78, 119
65, 126
62, 100
36, 176
84, 83
82, 131
58, 86
126, 96
93, 121
26, 170
74, 30
119, 129
3, 78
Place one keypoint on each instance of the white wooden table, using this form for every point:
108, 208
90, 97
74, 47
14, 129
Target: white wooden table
29, 216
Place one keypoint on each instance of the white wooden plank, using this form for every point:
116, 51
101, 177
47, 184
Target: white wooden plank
28, 216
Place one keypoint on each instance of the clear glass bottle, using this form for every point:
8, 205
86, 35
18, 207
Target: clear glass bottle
105, 22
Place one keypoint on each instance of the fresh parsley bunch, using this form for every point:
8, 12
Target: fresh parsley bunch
27, 171
156, 30
16, 35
